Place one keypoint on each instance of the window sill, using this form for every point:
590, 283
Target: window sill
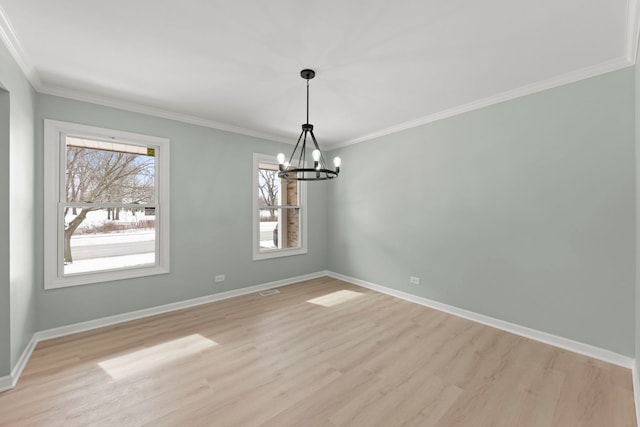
278, 253
104, 276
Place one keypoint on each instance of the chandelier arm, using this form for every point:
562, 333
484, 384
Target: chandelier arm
293, 153
322, 163
303, 152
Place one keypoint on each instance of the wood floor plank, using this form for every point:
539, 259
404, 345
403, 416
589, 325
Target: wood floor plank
319, 353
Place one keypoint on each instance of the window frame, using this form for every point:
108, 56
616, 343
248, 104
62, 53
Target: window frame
302, 214
55, 133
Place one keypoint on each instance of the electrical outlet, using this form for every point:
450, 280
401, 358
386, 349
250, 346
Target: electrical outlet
414, 280
219, 278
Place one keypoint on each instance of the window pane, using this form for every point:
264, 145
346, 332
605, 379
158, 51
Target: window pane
269, 228
268, 185
100, 172
279, 228
107, 239
273, 191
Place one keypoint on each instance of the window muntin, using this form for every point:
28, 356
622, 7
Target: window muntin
280, 216
106, 205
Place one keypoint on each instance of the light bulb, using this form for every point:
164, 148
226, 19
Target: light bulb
337, 161
316, 154
280, 158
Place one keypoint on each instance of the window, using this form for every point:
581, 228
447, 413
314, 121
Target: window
279, 206
106, 205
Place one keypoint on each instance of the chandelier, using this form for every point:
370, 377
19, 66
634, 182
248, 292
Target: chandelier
297, 168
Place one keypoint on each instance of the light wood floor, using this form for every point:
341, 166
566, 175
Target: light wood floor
320, 353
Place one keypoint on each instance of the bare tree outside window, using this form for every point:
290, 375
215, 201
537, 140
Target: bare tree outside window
269, 189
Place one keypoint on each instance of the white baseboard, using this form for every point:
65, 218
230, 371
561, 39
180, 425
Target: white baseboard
125, 317
9, 382
554, 340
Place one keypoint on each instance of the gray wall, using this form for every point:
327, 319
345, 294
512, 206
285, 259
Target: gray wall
637, 299
17, 265
211, 217
523, 211
5, 295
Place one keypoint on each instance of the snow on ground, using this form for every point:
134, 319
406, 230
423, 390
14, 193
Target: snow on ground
99, 217
266, 234
110, 263
93, 221
106, 238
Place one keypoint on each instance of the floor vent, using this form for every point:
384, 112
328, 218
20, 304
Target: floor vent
269, 292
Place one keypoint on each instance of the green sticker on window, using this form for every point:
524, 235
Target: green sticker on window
151, 152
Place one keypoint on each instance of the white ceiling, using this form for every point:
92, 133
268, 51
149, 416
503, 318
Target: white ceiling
381, 65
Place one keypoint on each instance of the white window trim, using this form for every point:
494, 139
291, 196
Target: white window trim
53, 130
275, 253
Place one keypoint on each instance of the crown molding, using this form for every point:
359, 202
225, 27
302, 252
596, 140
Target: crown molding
574, 76
159, 112
633, 31
540, 86
11, 41
632, 34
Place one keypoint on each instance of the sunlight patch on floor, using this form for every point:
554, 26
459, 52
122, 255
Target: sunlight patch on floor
335, 298
154, 357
